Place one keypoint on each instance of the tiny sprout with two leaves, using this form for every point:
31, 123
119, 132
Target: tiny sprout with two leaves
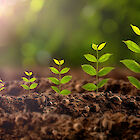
61, 80
89, 69
2, 85
132, 64
29, 81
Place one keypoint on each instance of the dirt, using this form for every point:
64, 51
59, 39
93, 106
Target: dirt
112, 114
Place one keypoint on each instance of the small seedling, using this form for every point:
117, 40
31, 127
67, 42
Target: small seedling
2, 85
132, 64
29, 81
61, 80
89, 69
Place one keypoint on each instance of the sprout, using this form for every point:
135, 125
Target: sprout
132, 64
89, 69
61, 80
29, 82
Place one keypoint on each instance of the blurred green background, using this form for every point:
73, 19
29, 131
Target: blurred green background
32, 32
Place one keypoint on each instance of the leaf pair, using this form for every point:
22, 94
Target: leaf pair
61, 80
89, 69
92, 87
2, 85
132, 64
29, 82
92, 58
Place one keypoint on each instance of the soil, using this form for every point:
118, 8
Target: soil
112, 114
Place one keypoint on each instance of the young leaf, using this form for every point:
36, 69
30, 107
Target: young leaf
89, 69
66, 79
102, 83
55, 89
33, 86
135, 29
2, 88
104, 57
25, 87
134, 81
132, 65
25, 79
32, 79
65, 92
132, 46
94, 46
105, 71
26, 73
54, 70
101, 46
90, 57
61, 62
56, 61
64, 70
54, 80
30, 73
89, 87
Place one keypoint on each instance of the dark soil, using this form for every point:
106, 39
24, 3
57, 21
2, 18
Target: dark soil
112, 114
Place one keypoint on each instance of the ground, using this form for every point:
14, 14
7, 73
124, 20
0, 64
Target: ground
113, 113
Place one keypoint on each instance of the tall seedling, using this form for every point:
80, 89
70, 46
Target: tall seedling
132, 64
89, 69
61, 80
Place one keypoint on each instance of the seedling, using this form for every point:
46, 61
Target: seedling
132, 64
2, 86
61, 80
89, 69
29, 81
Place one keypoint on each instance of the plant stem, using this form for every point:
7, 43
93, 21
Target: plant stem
59, 78
97, 80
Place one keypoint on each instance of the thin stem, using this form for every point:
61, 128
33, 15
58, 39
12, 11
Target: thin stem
97, 80
59, 78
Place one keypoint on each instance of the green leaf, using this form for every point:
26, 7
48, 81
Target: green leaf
56, 61
32, 79
105, 71
101, 46
55, 89
54, 80
64, 70
135, 29
104, 57
102, 83
132, 46
33, 86
132, 65
134, 81
89, 69
2, 88
89, 87
54, 70
65, 92
66, 79
94, 46
90, 58
61, 62
25, 87
25, 79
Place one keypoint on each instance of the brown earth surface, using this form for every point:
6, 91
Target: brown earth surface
112, 114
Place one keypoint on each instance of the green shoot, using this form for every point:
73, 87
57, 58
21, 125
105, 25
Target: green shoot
89, 69
2, 85
29, 81
61, 80
132, 64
